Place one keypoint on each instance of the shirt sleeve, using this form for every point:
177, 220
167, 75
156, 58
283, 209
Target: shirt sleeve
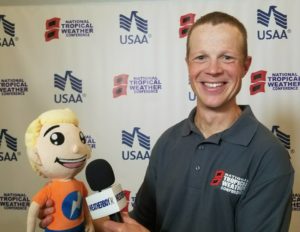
144, 210
42, 196
266, 206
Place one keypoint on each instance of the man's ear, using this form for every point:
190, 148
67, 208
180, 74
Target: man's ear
247, 63
34, 155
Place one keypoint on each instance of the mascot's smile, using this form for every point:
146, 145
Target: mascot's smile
71, 163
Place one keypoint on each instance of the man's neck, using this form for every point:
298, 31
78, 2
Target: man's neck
212, 121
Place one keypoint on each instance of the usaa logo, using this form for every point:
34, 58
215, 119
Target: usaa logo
7, 32
60, 83
275, 17
128, 138
284, 138
10, 153
136, 29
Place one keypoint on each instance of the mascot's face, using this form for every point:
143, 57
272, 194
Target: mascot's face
61, 150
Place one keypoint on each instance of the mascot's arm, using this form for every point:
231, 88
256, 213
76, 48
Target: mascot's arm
32, 216
89, 227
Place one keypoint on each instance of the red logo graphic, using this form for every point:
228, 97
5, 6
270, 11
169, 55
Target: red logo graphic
258, 82
120, 85
52, 29
186, 21
217, 178
127, 195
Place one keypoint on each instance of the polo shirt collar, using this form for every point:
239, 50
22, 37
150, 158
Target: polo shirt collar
241, 132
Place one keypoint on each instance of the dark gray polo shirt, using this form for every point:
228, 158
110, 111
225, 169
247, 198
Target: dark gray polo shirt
239, 180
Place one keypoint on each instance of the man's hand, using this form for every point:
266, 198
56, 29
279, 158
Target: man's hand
129, 225
45, 214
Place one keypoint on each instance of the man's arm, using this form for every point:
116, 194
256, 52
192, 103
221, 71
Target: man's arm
267, 204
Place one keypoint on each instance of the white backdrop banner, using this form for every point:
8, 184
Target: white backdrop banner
120, 66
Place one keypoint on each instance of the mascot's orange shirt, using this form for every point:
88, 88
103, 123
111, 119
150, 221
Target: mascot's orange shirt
68, 197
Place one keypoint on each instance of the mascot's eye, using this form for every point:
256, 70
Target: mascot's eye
57, 138
82, 137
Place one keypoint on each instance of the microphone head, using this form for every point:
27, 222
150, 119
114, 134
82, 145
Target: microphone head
99, 174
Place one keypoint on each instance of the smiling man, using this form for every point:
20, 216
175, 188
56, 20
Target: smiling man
220, 169
57, 150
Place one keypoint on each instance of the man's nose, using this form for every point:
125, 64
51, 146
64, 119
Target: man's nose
214, 67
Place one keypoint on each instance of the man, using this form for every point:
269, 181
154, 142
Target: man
219, 169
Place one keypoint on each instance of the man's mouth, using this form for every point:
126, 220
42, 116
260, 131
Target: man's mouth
213, 85
71, 163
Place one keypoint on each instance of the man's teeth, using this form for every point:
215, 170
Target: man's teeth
212, 85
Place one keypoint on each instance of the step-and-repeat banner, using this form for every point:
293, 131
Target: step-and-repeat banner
120, 66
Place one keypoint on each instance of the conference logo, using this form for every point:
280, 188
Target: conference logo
8, 146
296, 201
67, 28
7, 32
74, 94
122, 84
277, 81
229, 183
138, 143
90, 141
273, 23
14, 201
185, 21
135, 29
13, 87
130, 199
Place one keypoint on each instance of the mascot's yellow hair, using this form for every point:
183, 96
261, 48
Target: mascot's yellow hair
50, 117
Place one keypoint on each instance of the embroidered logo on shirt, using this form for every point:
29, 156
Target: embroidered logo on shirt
229, 183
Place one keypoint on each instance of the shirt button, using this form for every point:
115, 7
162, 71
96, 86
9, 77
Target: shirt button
201, 147
197, 168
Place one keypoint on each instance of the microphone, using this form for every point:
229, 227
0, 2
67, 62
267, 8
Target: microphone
110, 198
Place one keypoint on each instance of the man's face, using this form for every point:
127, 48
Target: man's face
216, 64
62, 150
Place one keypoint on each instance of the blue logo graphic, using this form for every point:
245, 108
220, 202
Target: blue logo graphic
141, 24
72, 205
9, 29
60, 82
11, 142
128, 138
284, 138
143, 140
76, 85
280, 19
264, 18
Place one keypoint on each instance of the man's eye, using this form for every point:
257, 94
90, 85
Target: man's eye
57, 138
227, 58
200, 57
82, 137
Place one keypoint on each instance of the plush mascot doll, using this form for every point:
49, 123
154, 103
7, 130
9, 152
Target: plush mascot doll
57, 150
